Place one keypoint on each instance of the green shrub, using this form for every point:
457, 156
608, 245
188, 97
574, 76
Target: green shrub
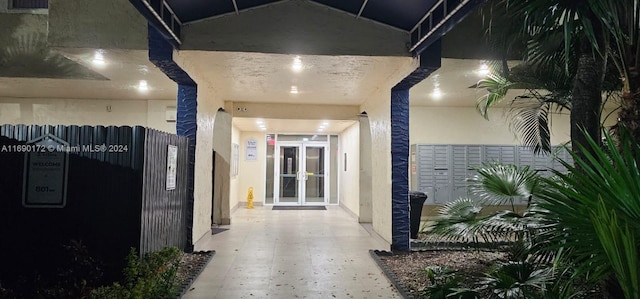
445, 284
152, 276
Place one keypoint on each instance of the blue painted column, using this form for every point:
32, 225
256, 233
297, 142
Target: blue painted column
161, 55
187, 125
399, 169
400, 221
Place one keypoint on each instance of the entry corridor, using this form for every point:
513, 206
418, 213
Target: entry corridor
292, 254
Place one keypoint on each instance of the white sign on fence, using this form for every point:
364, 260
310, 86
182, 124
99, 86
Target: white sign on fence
172, 162
45, 173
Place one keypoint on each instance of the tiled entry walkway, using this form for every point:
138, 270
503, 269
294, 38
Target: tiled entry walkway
292, 254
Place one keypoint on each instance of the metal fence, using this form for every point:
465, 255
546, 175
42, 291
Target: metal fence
164, 211
116, 197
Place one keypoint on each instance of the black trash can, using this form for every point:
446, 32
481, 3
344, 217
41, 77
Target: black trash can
417, 200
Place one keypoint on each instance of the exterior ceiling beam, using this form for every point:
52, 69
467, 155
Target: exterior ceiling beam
235, 6
362, 8
161, 16
441, 18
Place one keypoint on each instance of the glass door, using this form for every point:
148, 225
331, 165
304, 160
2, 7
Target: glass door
301, 177
289, 174
314, 175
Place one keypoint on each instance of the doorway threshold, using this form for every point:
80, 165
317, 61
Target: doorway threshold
300, 208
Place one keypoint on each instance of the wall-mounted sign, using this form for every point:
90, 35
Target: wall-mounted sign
45, 173
251, 150
172, 163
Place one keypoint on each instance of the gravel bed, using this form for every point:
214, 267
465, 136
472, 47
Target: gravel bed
191, 265
408, 269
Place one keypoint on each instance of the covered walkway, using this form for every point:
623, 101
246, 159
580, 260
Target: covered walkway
292, 254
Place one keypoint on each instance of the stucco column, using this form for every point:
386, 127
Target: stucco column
399, 169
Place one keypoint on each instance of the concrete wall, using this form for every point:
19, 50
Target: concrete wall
378, 108
349, 180
365, 210
150, 113
99, 24
234, 195
295, 27
222, 169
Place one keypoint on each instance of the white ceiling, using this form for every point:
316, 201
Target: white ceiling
255, 77
455, 80
124, 68
268, 78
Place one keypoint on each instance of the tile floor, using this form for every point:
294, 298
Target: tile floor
292, 254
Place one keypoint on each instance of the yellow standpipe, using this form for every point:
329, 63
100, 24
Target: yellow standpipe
250, 198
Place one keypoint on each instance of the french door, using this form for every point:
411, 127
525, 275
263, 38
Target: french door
301, 174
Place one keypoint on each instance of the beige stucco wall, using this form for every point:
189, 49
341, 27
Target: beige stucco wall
148, 113
252, 173
464, 125
96, 24
209, 101
208, 104
349, 193
234, 195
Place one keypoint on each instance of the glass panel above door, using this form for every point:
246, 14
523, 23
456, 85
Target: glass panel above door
314, 137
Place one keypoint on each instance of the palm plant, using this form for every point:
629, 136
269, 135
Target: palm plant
620, 21
517, 280
568, 39
495, 184
592, 215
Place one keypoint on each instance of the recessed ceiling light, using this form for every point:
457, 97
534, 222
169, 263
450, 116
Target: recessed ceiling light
305, 139
483, 70
259, 122
98, 59
263, 129
436, 94
325, 123
142, 86
320, 129
294, 89
297, 64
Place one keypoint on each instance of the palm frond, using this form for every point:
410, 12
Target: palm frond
579, 210
530, 120
500, 184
